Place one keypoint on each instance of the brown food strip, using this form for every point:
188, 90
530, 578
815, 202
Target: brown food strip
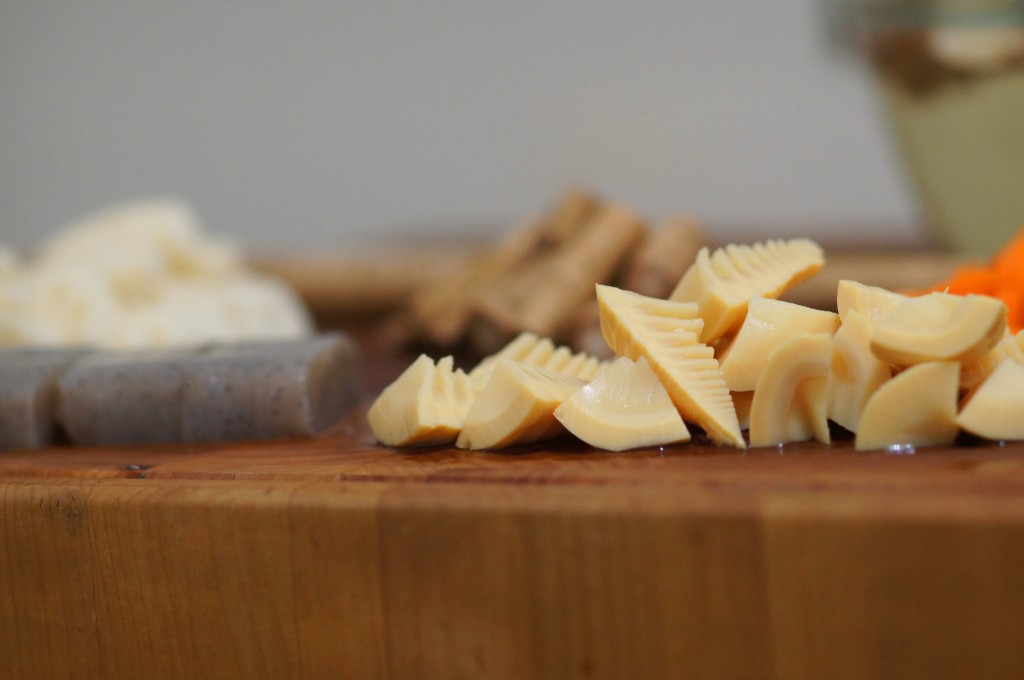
576, 208
543, 295
441, 312
653, 269
585, 332
660, 261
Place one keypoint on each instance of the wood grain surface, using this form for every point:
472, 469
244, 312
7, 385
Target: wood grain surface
335, 557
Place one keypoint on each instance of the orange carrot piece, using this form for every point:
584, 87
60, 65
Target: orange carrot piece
1012, 293
1002, 277
966, 279
972, 279
1009, 261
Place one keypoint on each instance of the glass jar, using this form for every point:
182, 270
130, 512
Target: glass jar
951, 74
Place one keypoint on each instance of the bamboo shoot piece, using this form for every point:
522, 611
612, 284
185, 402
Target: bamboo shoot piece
516, 407
768, 323
789, 402
995, 410
1009, 346
529, 348
917, 407
626, 407
722, 282
854, 372
666, 334
874, 304
426, 404
940, 327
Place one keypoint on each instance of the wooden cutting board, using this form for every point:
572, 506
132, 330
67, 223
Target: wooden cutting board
336, 557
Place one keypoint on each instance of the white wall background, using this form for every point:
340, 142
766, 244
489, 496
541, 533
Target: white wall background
307, 124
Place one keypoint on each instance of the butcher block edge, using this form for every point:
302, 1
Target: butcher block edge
335, 557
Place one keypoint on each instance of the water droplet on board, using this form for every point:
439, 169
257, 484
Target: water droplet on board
901, 449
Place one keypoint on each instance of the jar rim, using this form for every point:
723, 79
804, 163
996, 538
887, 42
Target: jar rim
973, 13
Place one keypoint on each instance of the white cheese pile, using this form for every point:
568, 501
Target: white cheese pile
140, 275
